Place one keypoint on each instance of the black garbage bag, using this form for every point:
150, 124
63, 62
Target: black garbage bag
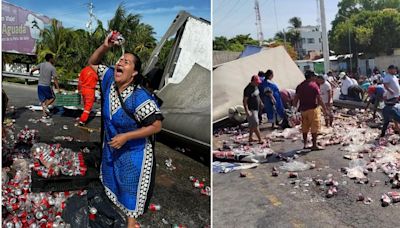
76, 212
108, 215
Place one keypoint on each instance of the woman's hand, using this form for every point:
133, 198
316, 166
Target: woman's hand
118, 141
108, 42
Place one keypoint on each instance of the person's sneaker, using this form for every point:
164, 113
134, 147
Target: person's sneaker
81, 123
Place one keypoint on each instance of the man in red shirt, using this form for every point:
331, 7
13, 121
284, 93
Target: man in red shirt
309, 95
87, 86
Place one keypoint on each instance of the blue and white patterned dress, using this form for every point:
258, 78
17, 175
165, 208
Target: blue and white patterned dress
127, 173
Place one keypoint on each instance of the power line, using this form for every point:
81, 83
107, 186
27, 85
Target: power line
242, 20
219, 6
276, 17
229, 12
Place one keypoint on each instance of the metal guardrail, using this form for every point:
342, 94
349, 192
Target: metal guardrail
26, 76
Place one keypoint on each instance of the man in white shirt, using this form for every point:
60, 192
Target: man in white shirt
391, 84
327, 97
346, 83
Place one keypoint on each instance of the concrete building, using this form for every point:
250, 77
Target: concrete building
311, 43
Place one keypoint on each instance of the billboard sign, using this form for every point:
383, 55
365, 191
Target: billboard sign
21, 29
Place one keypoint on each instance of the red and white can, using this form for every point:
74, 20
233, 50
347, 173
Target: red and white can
92, 213
154, 207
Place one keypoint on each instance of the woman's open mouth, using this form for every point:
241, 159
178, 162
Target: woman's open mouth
119, 72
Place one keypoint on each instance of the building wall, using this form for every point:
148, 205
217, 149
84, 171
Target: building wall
308, 34
382, 62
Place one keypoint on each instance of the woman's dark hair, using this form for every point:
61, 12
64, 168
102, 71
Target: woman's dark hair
139, 79
268, 74
48, 56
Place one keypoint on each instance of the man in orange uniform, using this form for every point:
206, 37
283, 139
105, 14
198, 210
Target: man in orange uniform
86, 86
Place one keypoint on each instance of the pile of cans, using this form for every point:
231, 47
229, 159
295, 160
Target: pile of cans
53, 160
27, 209
204, 190
28, 136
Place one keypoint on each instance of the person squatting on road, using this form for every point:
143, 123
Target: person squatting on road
375, 94
131, 116
252, 105
309, 95
45, 91
87, 86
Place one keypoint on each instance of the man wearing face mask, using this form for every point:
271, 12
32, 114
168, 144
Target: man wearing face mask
130, 117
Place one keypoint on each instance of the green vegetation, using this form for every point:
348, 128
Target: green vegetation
72, 48
373, 26
239, 42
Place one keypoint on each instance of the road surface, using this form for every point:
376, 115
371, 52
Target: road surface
261, 200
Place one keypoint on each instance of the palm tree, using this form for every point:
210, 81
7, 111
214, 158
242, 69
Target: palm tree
139, 36
295, 22
294, 33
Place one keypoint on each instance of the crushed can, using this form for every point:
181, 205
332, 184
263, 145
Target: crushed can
154, 207
198, 184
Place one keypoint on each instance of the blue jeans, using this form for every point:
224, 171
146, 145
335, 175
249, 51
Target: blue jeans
390, 113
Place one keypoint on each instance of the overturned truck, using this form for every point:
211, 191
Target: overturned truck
184, 84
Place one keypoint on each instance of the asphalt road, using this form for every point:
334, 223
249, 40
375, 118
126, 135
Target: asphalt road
261, 200
180, 202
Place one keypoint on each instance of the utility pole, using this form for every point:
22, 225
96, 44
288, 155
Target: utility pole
260, 35
325, 45
92, 17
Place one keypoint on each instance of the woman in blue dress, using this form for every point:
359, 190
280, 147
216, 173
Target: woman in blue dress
128, 161
273, 105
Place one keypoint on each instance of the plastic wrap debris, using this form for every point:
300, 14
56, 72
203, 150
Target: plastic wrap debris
295, 166
288, 133
356, 169
365, 148
63, 138
47, 121
253, 155
34, 107
226, 167
53, 160
169, 165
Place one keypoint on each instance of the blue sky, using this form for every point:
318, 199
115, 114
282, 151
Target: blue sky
232, 17
157, 13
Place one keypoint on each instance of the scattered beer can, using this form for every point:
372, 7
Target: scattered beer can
154, 207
